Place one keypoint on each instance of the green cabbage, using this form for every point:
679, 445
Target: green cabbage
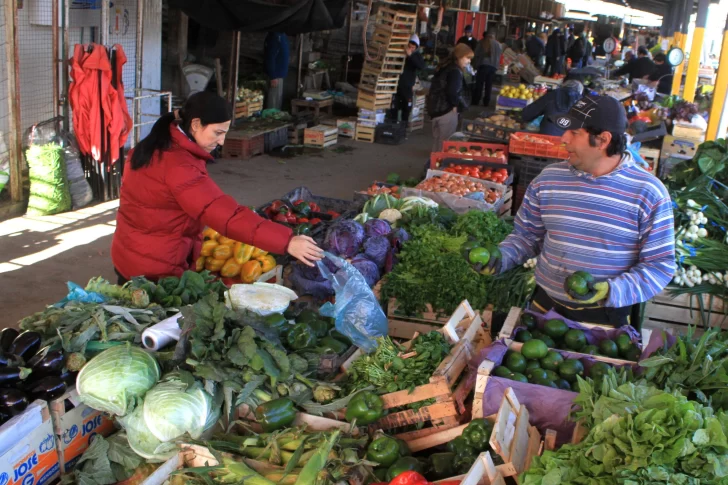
113, 380
142, 441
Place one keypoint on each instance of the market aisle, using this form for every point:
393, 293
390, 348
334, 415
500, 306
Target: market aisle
38, 255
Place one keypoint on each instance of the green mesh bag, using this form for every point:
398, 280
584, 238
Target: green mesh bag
49, 193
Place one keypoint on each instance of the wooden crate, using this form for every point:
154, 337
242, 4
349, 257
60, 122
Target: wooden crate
465, 331
295, 133
388, 64
415, 125
379, 83
372, 101
514, 317
483, 472
383, 35
652, 157
675, 314
243, 146
243, 109
320, 136
396, 21
513, 438
364, 133
507, 207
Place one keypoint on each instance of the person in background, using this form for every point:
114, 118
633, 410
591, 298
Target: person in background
598, 212
569, 39
413, 63
544, 40
553, 104
588, 52
661, 77
638, 68
486, 61
468, 38
167, 198
651, 42
445, 99
576, 52
535, 48
554, 51
277, 57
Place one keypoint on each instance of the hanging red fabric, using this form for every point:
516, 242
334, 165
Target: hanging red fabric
121, 121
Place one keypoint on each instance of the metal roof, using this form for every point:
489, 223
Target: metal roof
657, 7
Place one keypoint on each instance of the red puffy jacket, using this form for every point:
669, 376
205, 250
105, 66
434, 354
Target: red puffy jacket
164, 207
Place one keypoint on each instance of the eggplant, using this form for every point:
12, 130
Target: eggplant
12, 402
68, 377
11, 375
10, 360
26, 344
48, 388
7, 335
47, 362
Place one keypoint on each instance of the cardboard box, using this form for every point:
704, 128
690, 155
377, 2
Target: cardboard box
75, 427
28, 453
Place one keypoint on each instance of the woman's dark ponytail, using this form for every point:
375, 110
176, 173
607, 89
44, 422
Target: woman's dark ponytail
208, 107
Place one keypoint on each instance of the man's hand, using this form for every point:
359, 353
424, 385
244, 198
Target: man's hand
600, 292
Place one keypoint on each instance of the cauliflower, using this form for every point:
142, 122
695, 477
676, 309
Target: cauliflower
323, 393
391, 216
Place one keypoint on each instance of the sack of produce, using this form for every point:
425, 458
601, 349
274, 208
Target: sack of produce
81, 193
49, 192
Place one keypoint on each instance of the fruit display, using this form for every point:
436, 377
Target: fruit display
498, 175
497, 126
460, 186
232, 259
521, 92
556, 334
476, 151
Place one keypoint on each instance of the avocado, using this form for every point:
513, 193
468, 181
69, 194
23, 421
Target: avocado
590, 349
544, 382
523, 336
575, 339
599, 370
552, 376
555, 328
534, 374
518, 377
633, 353
515, 361
609, 348
549, 342
552, 361
528, 320
534, 349
562, 384
579, 284
502, 371
624, 342
570, 368
533, 364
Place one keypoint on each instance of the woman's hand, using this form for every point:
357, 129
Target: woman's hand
304, 249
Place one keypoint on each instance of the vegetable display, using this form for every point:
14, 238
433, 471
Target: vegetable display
460, 186
497, 176
232, 259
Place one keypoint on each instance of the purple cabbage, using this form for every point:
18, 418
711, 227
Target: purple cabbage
367, 268
377, 227
398, 237
308, 280
376, 249
345, 239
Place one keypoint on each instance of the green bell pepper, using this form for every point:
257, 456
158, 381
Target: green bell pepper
340, 337
403, 464
465, 454
302, 208
381, 474
477, 434
366, 407
329, 345
301, 336
383, 450
404, 449
441, 465
277, 322
276, 414
303, 229
319, 327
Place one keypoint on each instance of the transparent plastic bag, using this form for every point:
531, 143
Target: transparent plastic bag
357, 312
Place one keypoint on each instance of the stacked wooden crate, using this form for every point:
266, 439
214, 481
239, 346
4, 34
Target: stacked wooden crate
417, 116
381, 70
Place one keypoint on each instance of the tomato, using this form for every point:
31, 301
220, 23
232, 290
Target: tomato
503, 172
463, 171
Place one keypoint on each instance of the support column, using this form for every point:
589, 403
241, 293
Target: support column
719, 94
680, 41
14, 130
696, 49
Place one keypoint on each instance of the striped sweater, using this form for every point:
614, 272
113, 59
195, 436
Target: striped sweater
619, 227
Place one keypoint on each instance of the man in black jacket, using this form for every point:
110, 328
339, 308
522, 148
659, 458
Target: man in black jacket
468, 38
554, 52
414, 62
639, 68
661, 78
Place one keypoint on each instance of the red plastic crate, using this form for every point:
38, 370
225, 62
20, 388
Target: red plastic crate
437, 159
519, 145
469, 145
243, 148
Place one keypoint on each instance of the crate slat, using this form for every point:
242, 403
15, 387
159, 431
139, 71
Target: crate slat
676, 314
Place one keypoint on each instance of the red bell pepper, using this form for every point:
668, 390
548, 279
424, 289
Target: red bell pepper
303, 220
333, 214
281, 217
276, 205
314, 221
314, 207
409, 478
292, 219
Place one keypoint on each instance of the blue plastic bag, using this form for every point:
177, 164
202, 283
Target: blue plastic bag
634, 150
77, 293
356, 312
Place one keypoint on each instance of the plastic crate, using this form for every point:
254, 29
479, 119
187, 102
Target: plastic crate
390, 133
243, 148
521, 145
448, 161
275, 139
528, 168
471, 146
487, 131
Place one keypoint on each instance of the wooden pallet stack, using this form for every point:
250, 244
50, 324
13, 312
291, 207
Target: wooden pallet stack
381, 71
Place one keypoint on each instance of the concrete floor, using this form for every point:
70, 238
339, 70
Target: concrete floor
38, 255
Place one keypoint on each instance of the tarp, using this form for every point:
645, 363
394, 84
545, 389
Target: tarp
261, 16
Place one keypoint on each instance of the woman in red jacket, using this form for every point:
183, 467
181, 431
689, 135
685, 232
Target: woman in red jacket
167, 198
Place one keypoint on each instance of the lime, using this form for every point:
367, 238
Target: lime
502, 371
624, 342
523, 336
552, 361
575, 339
555, 328
633, 353
528, 320
599, 370
609, 348
534, 349
570, 368
590, 349
515, 361
534, 374
517, 376
532, 364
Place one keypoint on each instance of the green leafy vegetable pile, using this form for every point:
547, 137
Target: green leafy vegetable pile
106, 461
641, 435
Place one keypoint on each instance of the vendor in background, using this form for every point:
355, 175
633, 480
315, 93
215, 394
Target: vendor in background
486, 61
414, 62
639, 68
536, 47
555, 49
468, 38
576, 52
597, 212
661, 77
588, 52
167, 198
445, 99
553, 104
277, 58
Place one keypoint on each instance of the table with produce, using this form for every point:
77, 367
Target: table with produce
400, 359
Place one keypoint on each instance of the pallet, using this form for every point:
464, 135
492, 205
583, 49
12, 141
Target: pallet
513, 437
514, 317
464, 330
675, 314
320, 136
364, 133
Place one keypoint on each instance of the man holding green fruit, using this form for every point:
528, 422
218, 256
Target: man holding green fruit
603, 226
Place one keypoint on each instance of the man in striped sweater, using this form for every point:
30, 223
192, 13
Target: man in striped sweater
598, 212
